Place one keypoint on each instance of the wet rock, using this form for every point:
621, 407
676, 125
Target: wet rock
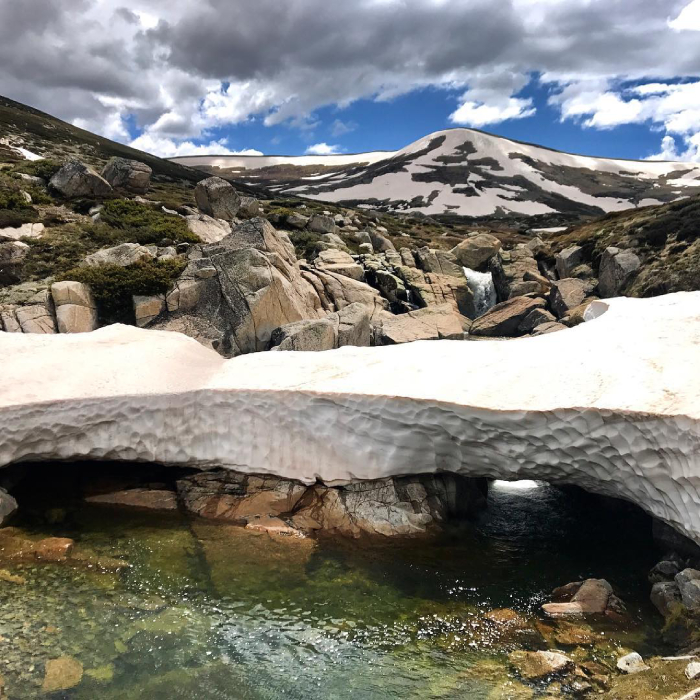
76, 179
617, 268
688, 582
591, 598
54, 549
130, 175
571, 635
664, 571
631, 663
273, 526
62, 674
475, 251
535, 665
217, 198
563, 594
5, 575
8, 507
504, 319
665, 596
146, 499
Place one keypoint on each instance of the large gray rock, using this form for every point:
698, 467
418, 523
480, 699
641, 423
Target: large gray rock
249, 208
432, 289
665, 596
617, 268
313, 335
76, 310
337, 291
218, 198
476, 251
353, 325
510, 267
12, 255
568, 260
123, 255
688, 582
36, 318
379, 242
340, 262
296, 220
75, 179
505, 319
207, 228
127, 174
439, 262
433, 323
321, 224
8, 507
567, 294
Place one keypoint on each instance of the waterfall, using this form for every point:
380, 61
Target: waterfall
481, 284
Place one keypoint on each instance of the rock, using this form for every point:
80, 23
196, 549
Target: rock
207, 228
148, 308
535, 318
617, 267
439, 262
563, 594
520, 289
562, 610
8, 577
124, 254
545, 328
505, 319
476, 251
365, 249
185, 295
379, 242
567, 260
338, 291
664, 571
666, 596
273, 526
593, 596
35, 318
688, 582
249, 207
321, 224
8, 507
76, 310
296, 220
353, 325
23, 231
54, 549
692, 670
567, 294
127, 174
12, 255
510, 267
217, 197
433, 323
62, 674
332, 241
407, 259
75, 179
576, 316
339, 262
631, 663
431, 289
145, 499
391, 286
313, 335
692, 695
533, 665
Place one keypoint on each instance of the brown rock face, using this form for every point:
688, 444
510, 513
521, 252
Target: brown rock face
62, 674
567, 294
54, 548
433, 323
505, 319
147, 499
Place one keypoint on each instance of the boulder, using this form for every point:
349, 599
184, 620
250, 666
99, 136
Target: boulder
591, 598
431, 289
505, 319
124, 254
207, 228
312, 335
567, 294
665, 570
184, 296
688, 582
476, 251
379, 242
617, 267
666, 596
217, 198
692, 670
568, 259
433, 323
23, 231
534, 665
127, 174
296, 220
439, 262
353, 325
537, 317
36, 318
338, 291
407, 257
76, 179
321, 224
148, 308
62, 674
12, 255
551, 327
249, 208
391, 286
8, 507
76, 310
631, 663
340, 262
509, 267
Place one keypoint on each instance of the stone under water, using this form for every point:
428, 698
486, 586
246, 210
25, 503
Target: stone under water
612, 406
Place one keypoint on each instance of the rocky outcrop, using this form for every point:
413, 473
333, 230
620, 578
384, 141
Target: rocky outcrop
433, 323
130, 175
217, 198
207, 228
476, 251
319, 223
617, 268
544, 408
431, 289
568, 260
568, 294
76, 179
124, 254
76, 310
339, 262
510, 268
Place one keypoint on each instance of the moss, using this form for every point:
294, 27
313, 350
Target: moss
14, 208
145, 224
45, 168
114, 286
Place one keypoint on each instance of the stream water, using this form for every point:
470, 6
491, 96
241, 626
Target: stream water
214, 611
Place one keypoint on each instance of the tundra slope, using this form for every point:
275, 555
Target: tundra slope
463, 172
604, 405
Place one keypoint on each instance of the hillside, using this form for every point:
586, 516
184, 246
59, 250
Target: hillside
468, 173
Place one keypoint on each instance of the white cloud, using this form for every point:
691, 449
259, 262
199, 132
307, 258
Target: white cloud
340, 128
323, 149
480, 114
169, 148
688, 19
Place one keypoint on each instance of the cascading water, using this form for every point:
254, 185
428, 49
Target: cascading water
481, 284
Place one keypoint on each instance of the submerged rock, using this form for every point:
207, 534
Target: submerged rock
534, 665
62, 674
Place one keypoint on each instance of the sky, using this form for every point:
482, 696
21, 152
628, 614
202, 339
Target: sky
617, 78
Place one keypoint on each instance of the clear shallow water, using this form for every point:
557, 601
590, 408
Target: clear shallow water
213, 611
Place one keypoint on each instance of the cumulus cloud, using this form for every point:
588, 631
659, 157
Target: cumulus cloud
323, 149
168, 148
171, 73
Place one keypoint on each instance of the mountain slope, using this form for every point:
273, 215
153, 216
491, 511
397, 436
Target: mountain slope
463, 172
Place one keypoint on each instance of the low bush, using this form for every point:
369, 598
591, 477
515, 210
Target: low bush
306, 244
145, 225
14, 208
45, 168
114, 286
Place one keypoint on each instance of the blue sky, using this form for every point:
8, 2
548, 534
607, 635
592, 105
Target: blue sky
617, 78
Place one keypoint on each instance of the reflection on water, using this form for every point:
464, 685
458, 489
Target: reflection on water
213, 611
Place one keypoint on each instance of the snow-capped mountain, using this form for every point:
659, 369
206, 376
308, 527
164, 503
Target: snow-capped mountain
468, 173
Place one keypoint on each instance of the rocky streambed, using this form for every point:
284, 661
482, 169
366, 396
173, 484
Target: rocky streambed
127, 602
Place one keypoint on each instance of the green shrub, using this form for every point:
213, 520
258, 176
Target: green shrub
306, 244
14, 208
114, 286
144, 224
57, 251
45, 168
